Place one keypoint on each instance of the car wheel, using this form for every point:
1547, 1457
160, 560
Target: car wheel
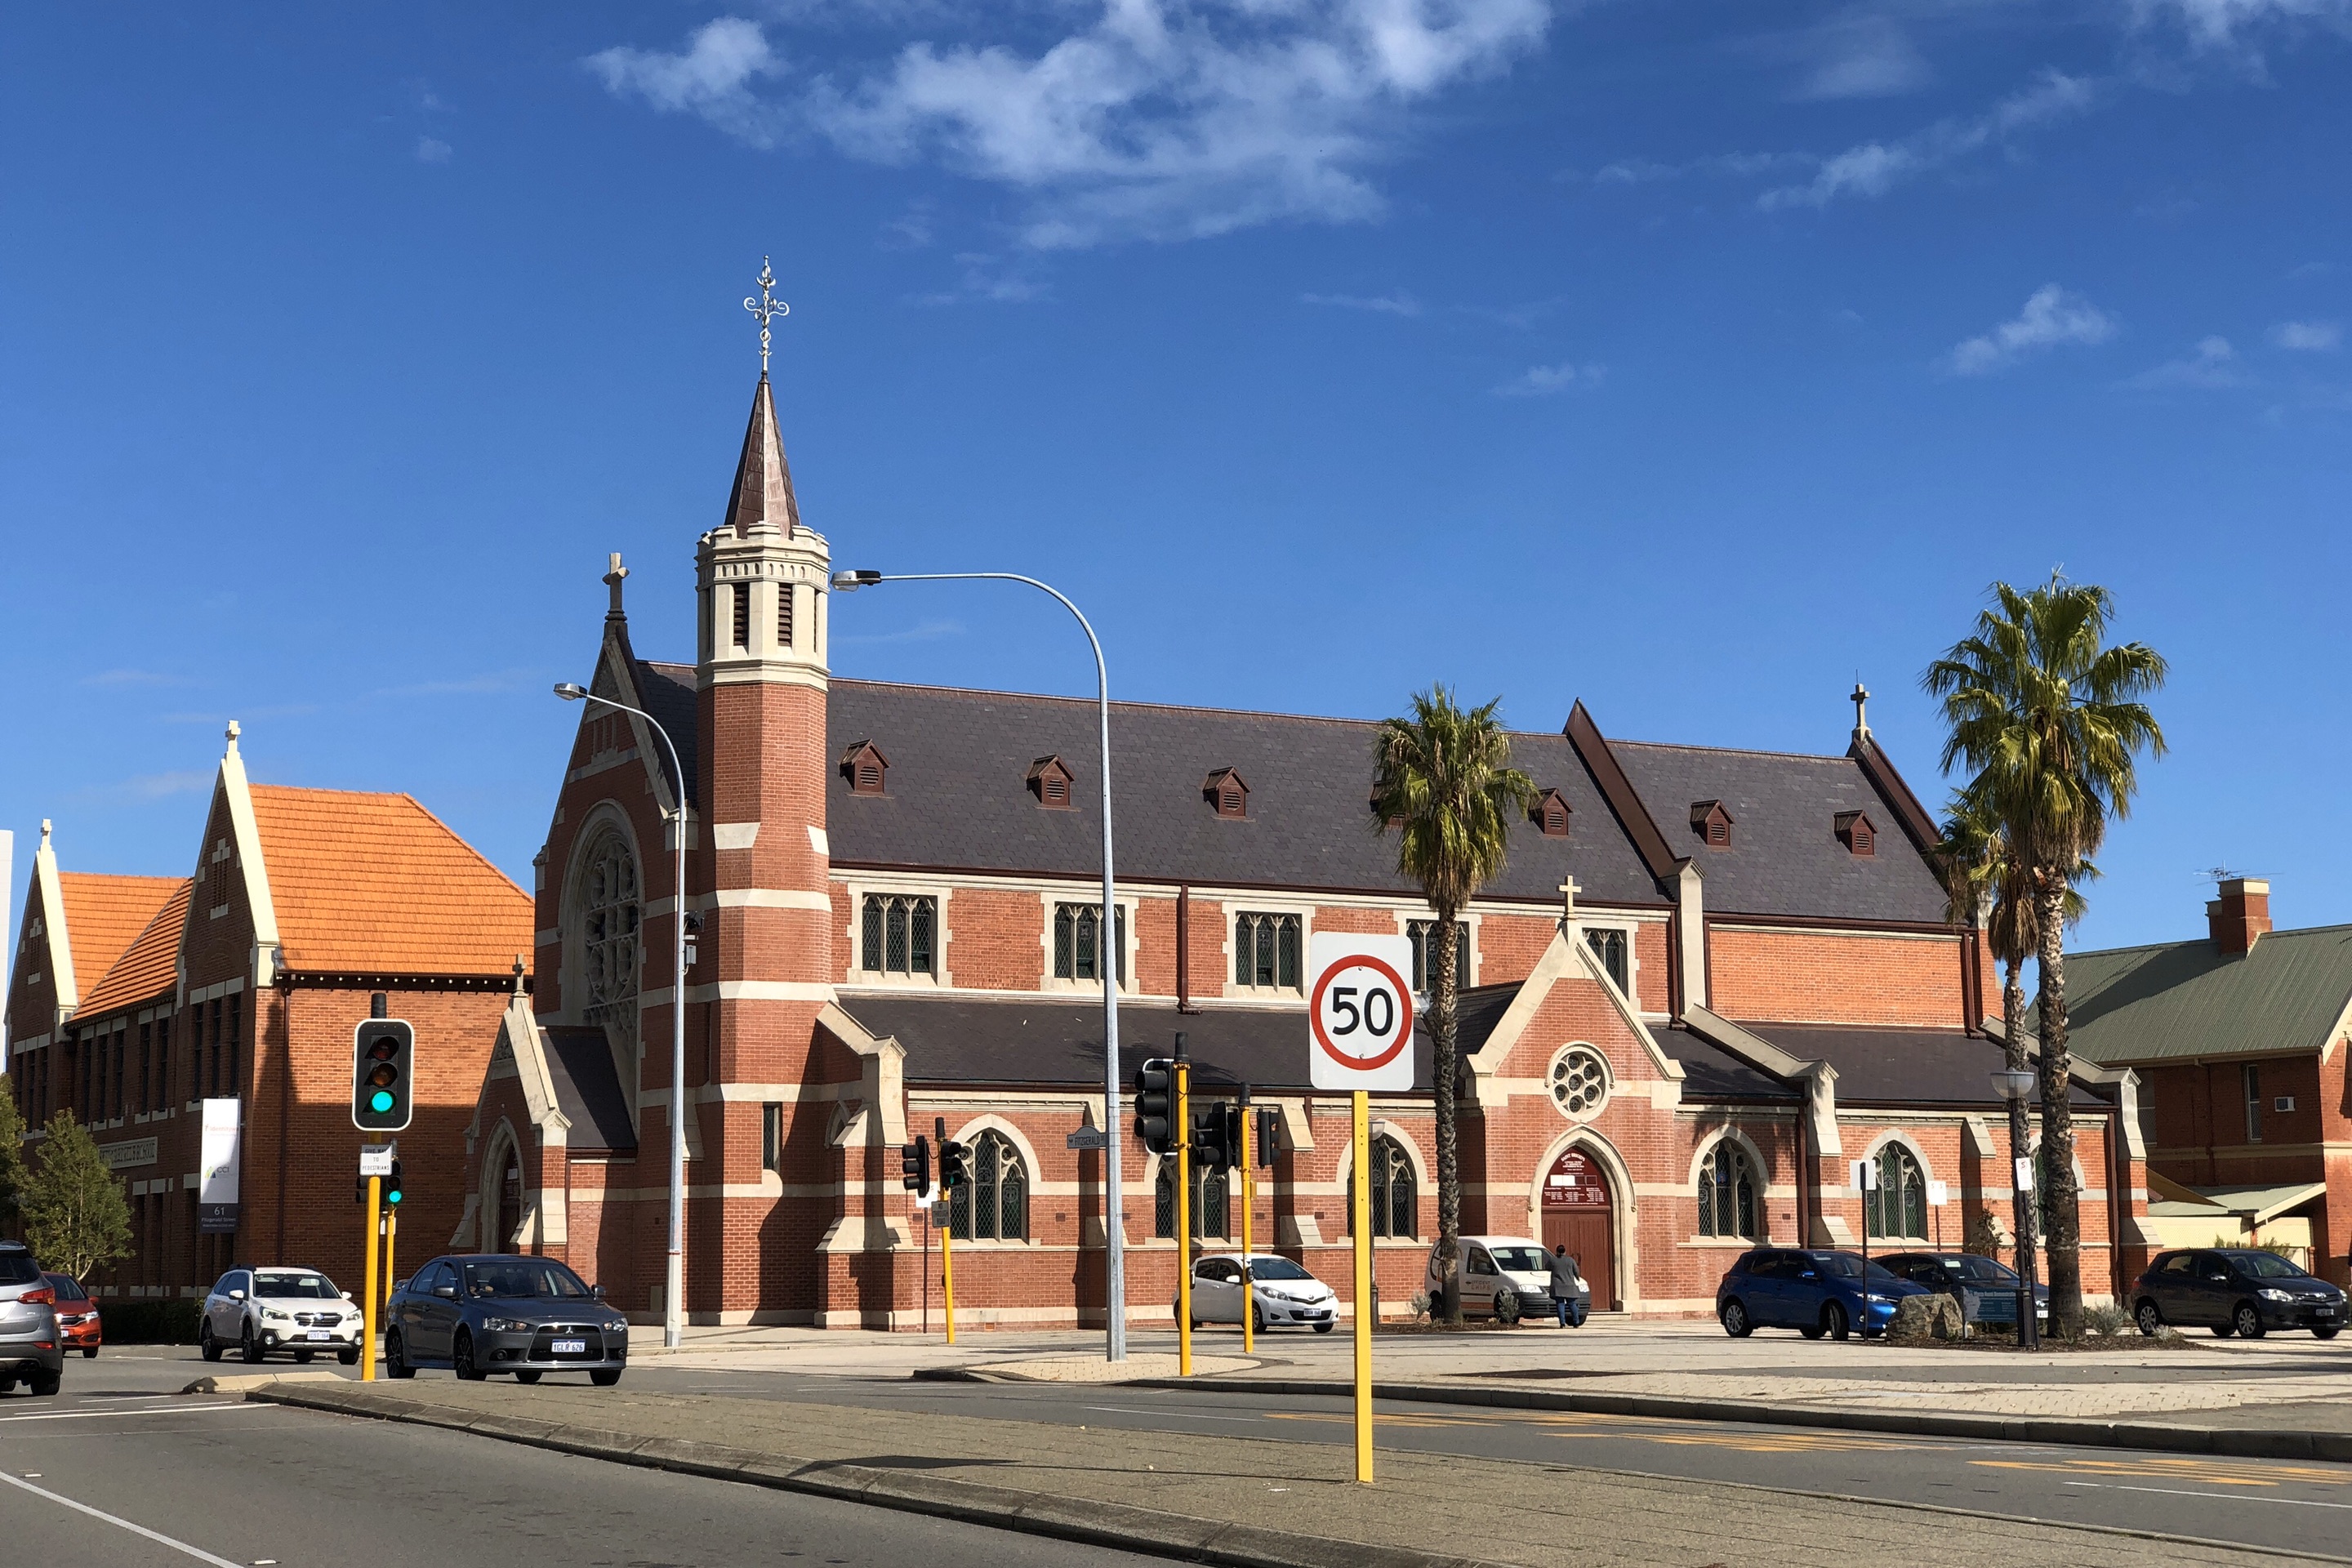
1814, 1332
7, 1385
2328, 1332
44, 1383
90, 1352
1735, 1322
1833, 1320
1257, 1318
349, 1357
604, 1376
1322, 1328
2150, 1320
207, 1346
2248, 1321
527, 1374
2224, 1330
251, 1348
461, 1359
302, 1358
396, 1356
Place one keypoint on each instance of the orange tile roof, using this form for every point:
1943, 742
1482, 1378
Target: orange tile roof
149, 966
105, 914
376, 884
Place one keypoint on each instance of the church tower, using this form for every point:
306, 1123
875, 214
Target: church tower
766, 968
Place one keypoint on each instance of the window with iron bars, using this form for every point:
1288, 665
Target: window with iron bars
900, 934
1265, 951
1077, 942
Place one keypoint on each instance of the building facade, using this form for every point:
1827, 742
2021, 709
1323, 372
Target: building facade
1707, 982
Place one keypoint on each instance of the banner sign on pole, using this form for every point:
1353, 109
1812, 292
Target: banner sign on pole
1359, 1011
217, 1180
1938, 1194
2025, 1174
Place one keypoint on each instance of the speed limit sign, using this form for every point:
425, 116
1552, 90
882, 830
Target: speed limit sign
1359, 1011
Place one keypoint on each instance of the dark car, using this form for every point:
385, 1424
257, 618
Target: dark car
476, 1314
1985, 1287
1813, 1292
2234, 1290
32, 1350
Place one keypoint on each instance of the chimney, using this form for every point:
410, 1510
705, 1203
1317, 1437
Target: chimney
2240, 914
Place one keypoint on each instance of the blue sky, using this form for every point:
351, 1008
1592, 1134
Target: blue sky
1688, 359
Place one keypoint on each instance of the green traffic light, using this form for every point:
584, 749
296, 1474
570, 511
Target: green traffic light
392, 1196
379, 1102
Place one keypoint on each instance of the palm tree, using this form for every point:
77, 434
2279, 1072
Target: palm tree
2049, 718
1443, 778
1983, 881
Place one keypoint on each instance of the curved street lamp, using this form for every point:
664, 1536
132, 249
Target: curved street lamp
1114, 1239
674, 1280
2016, 1086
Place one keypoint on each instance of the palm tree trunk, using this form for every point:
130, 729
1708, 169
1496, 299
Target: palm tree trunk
1449, 1151
2021, 1136
2061, 1202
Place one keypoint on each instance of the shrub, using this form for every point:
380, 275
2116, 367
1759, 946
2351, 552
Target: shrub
1420, 1304
2108, 1321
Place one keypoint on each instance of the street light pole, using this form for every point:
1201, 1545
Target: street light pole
674, 1278
2016, 1086
1107, 930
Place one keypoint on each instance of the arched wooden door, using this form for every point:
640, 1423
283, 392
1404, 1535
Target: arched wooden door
510, 1201
1579, 1211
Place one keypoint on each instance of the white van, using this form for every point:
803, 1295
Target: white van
1502, 1277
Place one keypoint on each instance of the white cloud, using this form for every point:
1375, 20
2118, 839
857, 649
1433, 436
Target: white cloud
711, 78
2051, 317
1862, 55
1544, 380
2226, 24
986, 279
432, 149
1397, 304
2316, 337
1642, 172
2212, 366
1875, 168
1158, 119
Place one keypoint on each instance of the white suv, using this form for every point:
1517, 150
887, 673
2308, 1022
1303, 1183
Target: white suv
265, 1312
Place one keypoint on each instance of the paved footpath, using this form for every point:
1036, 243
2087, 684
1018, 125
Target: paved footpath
1231, 1500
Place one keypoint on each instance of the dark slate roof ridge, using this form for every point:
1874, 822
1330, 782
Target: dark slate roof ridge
1735, 750
1854, 1029
2205, 942
983, 693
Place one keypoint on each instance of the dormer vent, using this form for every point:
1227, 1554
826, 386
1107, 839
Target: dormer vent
1854, 831
1550, 813
1711, 823
1226, 794
865, 767
1050, 780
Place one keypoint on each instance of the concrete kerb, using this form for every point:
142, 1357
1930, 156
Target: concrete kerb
1088, 1522
2231, 1442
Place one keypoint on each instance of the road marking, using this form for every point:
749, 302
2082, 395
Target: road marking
1185, 1415
2218, 1497
2211, 1473
198, 1552
86, 1414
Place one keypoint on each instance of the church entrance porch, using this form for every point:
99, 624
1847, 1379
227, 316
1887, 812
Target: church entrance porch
1580, 1213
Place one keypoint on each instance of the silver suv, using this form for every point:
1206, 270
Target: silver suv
31, 1350
263, 1312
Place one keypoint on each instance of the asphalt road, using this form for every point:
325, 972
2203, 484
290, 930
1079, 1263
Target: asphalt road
120, 1472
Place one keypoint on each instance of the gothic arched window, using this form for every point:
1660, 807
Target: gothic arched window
994, 1205
1727, 1192
1899, 1206
1211, 1211
1395, 1201
607, 901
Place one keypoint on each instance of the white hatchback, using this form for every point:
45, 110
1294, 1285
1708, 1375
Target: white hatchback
261, 1313
1282, 1295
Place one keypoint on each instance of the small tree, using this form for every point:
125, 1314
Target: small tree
12, 1156
75, 1218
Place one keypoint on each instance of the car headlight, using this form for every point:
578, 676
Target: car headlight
616, 1328
2274, 1295
272, 1315
506, 1325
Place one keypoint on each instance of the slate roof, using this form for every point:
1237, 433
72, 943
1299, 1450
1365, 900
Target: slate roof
377, 884
1784, 858
1712, 1073
669, 697
588, 1090
956, 798
104, 915
1879, 1066
964, 1037
2183, 999
149, 966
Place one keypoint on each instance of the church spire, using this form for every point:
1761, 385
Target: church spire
764, 480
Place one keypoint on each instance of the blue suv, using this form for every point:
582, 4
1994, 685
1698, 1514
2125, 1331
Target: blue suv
1815, 1293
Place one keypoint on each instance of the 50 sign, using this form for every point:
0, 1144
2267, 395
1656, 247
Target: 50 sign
1360, 1011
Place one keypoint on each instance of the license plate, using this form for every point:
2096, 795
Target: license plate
318, 1335
568, 1347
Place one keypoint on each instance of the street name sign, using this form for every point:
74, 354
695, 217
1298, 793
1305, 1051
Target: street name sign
1359, 1011
1087, 1138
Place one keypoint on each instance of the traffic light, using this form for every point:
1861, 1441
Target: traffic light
392, 1183
1261, 1140
1214, 1121
915, 1164
382, 1059
955, 1165
1155, 1105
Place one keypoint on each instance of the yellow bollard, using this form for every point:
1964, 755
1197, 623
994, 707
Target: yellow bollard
368, 1298
390, 1237
1249, 1281
1183, 1215
947, 1269
1361, 1203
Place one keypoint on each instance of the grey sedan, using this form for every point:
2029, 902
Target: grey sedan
478, 1313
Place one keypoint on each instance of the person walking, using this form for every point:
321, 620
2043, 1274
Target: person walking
1568, 1286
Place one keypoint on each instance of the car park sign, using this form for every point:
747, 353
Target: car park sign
1359, 1011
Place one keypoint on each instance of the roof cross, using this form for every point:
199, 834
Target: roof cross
765, 306
1861, 720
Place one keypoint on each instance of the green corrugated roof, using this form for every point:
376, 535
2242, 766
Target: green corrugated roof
2130, 1005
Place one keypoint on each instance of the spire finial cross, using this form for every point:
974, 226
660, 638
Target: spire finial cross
1861, 714
765, 306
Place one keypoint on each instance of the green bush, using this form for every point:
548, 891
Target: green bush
2108, 1321
152, 1322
